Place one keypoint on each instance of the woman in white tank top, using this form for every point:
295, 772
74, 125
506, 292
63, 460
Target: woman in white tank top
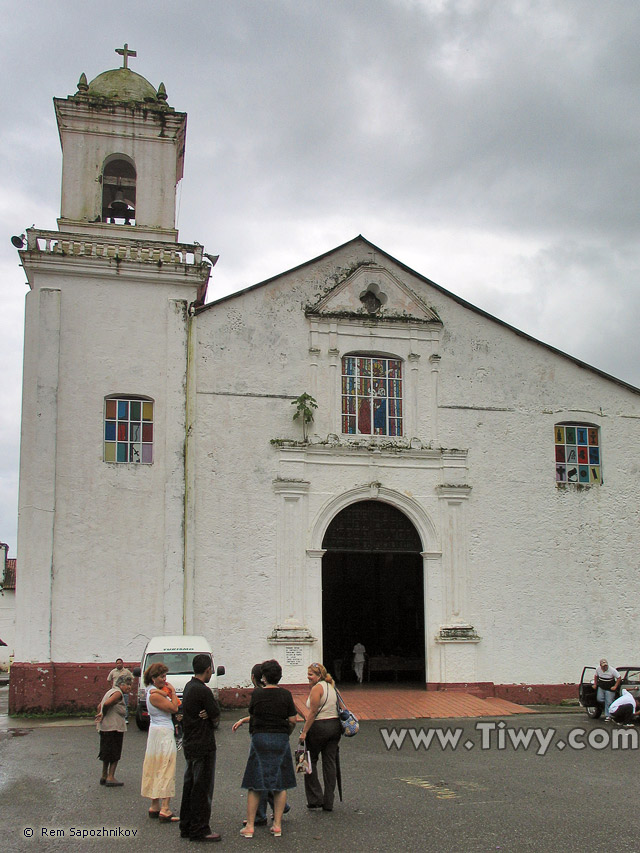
321, 734
159, 768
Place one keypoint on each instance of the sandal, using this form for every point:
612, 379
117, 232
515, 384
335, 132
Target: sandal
276, 830
168, 818
246, 833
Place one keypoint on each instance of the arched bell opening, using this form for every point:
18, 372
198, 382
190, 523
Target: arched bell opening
119, 190
373, 593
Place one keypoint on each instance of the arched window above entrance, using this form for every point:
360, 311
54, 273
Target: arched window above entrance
119, 190
372, 526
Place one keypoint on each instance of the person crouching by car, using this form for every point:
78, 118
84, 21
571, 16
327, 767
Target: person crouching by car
606, 682
623, 708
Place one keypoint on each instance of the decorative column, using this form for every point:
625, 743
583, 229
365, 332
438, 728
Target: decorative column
434, 361
457, 638
433, 596
413, 394
314, 357
313, 604
454, 551
290, 563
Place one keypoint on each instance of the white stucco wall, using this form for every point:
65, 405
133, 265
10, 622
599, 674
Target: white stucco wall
109, 556
531, 566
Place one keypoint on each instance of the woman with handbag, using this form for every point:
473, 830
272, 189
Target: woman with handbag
321, 735
270, 765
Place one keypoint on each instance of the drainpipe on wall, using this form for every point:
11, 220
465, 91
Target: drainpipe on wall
189, 477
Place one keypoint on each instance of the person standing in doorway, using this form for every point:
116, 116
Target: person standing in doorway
200, 715
359, 653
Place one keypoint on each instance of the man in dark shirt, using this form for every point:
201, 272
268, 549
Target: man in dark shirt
200, 714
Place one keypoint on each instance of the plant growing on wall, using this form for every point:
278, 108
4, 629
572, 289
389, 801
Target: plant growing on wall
305, 404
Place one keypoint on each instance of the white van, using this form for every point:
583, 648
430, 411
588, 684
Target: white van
177, 653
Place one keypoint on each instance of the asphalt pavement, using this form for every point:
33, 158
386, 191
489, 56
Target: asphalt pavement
448, 786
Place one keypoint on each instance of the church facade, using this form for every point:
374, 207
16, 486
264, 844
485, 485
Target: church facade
460, 498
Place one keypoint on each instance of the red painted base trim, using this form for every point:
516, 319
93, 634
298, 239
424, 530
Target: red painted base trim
78, 687
521, 694
536, 694
68, 687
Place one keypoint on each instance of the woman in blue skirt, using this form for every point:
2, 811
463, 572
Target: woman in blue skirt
270, 765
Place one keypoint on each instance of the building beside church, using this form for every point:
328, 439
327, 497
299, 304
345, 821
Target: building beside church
7, 606
464, 502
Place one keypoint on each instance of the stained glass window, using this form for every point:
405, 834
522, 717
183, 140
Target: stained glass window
128, 430
371, 395
578, 458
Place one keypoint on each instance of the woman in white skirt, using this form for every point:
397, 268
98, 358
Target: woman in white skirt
159, 768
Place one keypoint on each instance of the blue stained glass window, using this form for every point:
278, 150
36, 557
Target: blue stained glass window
371, 395
128, 431
577, 454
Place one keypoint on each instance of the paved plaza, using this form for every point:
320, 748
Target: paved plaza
405, 788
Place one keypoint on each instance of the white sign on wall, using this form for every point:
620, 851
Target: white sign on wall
293, 655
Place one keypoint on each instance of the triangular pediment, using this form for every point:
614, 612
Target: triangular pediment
371, 291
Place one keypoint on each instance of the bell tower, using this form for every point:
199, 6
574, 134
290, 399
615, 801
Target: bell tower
107, 385
122, 155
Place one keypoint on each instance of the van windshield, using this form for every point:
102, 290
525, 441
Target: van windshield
179, 663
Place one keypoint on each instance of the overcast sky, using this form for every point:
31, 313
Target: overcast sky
492, 146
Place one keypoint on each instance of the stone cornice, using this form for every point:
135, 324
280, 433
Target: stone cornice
382, 446
78, 254
291, 488
453, 492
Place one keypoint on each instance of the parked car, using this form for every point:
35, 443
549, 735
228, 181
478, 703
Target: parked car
587, 692
177, 653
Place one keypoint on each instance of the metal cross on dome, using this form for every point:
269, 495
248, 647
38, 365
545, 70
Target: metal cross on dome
125, 53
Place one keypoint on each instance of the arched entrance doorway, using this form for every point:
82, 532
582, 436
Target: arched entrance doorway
372, 593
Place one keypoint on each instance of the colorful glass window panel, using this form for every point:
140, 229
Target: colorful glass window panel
371, 396
128, 431
577, 454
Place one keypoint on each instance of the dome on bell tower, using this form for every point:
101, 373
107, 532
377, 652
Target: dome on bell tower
122, 84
